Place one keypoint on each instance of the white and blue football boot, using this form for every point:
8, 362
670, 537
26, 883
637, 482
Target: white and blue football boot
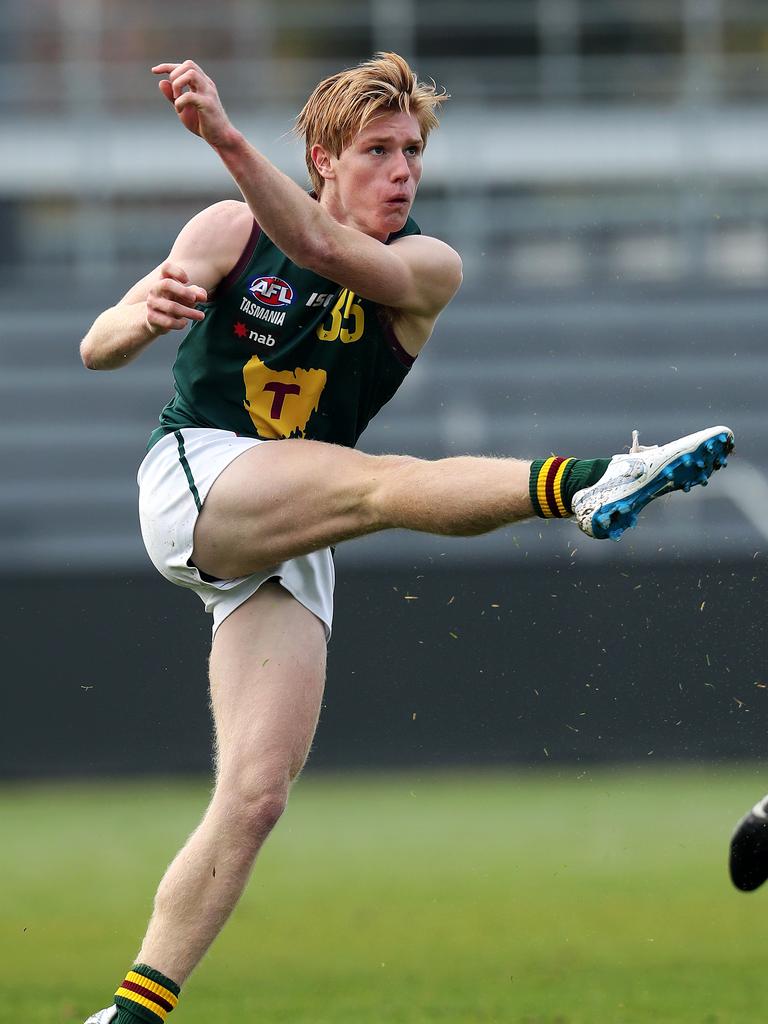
748, 859
611, 506
103, 1016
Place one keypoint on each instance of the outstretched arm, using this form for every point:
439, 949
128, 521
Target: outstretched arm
417, 275
205, 251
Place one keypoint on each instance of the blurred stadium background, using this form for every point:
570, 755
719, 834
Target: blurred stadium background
602, 169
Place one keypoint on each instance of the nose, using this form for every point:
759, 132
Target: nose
400, 170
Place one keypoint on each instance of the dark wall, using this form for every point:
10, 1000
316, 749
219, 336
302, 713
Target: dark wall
516, 665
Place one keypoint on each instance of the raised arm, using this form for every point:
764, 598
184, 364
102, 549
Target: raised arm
417, 275
206, 249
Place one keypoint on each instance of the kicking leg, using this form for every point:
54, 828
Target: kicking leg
287, 498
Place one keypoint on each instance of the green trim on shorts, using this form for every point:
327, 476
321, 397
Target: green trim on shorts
187, 471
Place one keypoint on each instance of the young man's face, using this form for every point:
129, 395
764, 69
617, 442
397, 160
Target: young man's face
373, 183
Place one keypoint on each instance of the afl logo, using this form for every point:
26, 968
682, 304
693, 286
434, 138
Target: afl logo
272, 291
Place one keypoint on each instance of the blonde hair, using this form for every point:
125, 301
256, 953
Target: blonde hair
343, 104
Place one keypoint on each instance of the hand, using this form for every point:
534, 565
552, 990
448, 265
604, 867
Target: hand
171, 301
196, 101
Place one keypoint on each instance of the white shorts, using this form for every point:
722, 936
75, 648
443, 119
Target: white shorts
174, 480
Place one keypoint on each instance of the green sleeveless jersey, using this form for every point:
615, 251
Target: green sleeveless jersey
284, 352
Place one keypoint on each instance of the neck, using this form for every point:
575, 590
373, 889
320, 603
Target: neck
333, 205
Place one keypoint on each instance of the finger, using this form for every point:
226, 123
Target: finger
159, 322
178, 310
166, 323
166, 89
187, 99
174, 271
172, 281
172, 316
189, 79
188, 297
171, 291
193, 79
183, 68
163, 69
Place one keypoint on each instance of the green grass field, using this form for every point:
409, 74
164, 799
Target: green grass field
576, 897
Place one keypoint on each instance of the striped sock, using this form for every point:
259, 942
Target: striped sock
145, 995
554, 481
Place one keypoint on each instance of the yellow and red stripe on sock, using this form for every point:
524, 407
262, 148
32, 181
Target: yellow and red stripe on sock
144, 992
546, 487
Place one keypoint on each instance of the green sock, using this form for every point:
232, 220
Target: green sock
554, 481
145, 997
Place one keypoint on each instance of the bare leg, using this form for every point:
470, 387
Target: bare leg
287, 498
267, 677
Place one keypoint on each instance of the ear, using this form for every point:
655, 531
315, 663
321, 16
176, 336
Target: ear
323, 161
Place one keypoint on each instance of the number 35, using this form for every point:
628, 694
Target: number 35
347, 320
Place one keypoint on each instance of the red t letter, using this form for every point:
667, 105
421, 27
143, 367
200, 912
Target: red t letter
280, 390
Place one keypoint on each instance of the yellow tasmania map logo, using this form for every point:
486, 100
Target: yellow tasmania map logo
280, 402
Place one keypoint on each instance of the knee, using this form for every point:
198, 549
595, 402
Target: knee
262, 813
254, 806
385, 481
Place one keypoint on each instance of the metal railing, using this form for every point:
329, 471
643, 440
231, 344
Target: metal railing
96, 52
74, 78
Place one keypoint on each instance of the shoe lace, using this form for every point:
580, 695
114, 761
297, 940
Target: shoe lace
636, 446
630, 469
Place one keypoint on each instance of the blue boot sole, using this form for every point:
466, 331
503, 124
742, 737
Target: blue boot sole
610, 521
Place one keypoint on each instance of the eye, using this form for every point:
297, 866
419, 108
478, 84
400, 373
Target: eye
377, 150
414, 150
